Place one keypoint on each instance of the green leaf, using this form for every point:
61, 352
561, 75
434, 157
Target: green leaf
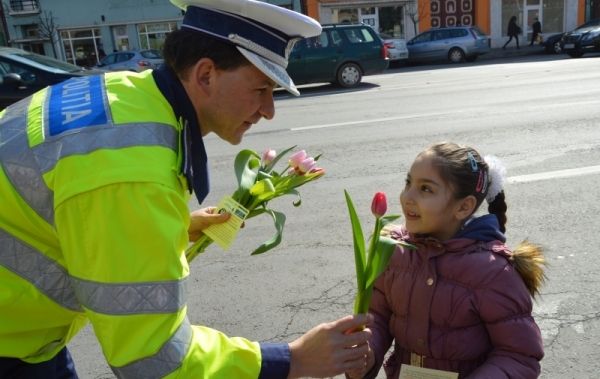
384, 249
359, 243
389, 219
262, 187
279, 221
246, 165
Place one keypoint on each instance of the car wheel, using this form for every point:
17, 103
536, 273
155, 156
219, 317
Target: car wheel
456, 55
556, 47
575, 54
349, 75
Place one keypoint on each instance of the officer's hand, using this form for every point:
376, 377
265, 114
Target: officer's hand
202, 218
331, 348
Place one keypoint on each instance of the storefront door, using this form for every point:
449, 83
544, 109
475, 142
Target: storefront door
369, 16
533, 10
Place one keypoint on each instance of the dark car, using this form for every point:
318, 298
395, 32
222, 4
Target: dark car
583, 39
342, 54
454, 44
22, 73
552, 43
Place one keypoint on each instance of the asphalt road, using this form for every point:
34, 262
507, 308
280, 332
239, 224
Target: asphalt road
539, 114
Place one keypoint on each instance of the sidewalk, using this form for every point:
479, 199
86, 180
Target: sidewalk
512, 51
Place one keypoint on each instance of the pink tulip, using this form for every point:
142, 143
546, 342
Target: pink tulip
307, 165
297, 158
379, 204
268, 156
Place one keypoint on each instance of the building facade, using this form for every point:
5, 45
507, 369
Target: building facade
82, 32
406, 18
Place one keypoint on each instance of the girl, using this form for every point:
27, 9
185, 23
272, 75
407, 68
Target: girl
461, 301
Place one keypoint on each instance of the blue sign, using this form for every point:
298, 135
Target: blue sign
76, 103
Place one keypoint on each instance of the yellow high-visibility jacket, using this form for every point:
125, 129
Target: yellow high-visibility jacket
93, 226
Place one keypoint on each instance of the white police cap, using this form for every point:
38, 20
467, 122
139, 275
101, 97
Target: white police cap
264, 33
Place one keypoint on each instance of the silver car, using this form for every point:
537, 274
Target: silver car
456, 44
131, 60
396, 47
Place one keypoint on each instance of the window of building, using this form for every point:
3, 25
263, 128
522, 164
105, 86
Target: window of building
31, 31
549, 12
345, 15
24, 6
391, 21
82, 46
152, 36
552, 16
511, 8
592, 9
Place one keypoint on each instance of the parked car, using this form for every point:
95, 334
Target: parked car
131, 60
455, 44
584, 38
342, 54
22, 73
396, 47
552, 43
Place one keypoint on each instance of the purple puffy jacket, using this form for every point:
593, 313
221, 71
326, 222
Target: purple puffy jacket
461, 304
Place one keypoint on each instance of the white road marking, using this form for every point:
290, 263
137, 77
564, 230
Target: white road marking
370, 121
554, 174
488, 108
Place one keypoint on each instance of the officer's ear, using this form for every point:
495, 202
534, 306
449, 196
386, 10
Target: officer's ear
202, 74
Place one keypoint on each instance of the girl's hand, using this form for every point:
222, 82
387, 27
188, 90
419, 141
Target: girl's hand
203, 218
369, 362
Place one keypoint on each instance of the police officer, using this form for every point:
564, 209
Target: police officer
95, 178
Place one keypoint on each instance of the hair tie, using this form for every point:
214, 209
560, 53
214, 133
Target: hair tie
497, 176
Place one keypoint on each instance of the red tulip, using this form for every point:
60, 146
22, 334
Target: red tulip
379, 204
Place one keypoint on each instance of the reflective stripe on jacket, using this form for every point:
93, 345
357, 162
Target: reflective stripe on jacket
93, 226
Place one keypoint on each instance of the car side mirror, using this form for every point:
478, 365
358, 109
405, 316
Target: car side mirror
13, 80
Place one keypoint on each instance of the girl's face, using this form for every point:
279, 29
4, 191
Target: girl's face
428, 203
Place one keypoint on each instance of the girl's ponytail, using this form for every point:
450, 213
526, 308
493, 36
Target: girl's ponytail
498, 207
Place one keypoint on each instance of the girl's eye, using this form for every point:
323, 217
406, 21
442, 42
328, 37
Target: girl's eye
406, 182
426, 189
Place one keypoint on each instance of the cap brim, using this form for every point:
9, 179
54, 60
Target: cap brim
274, 71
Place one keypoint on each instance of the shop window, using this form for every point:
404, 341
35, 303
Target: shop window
345, 15
512, 8
391, 21
152, 36
82, 46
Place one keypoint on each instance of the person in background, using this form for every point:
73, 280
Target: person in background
95, 177
461, 300
513, 31
536, 28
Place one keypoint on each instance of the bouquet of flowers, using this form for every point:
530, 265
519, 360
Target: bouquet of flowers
371, 262
259, 182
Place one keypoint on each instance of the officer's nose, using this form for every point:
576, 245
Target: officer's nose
267, 107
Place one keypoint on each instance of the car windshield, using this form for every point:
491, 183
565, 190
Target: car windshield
47, 61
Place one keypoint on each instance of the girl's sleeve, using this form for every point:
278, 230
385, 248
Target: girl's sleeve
381, 339
506, 309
